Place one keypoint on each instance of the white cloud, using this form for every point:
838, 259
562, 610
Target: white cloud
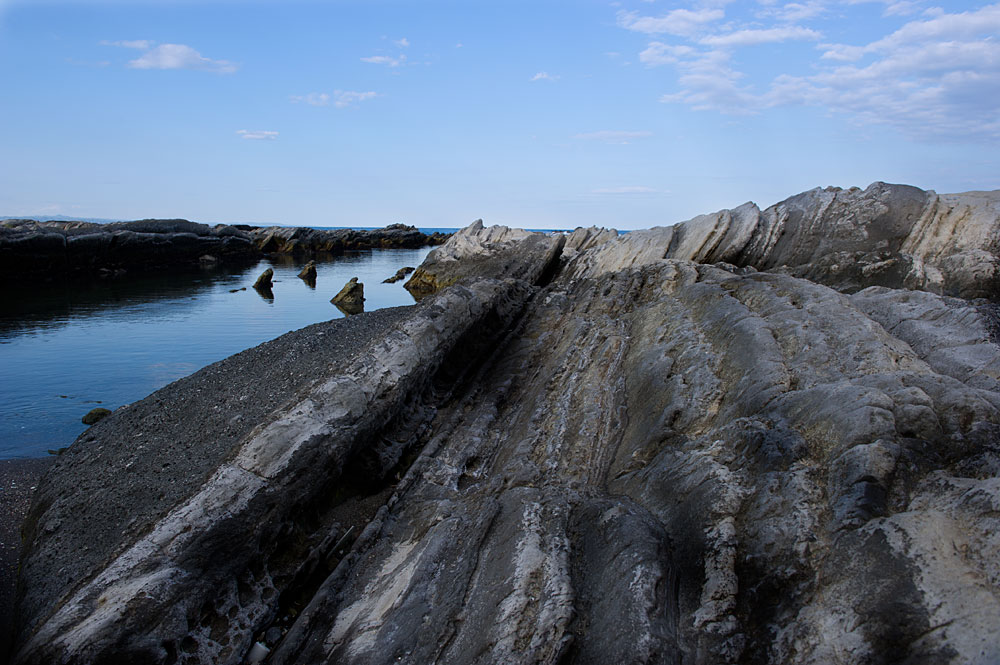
385, 60
613, 136
340, 98
258, 135
313, 99
754, 37
402, 43
633, 189
179, 56
935, 77
544, 76
141, 44
345, 98
680, 22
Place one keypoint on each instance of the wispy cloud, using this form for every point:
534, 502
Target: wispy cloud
631, 189
680, 22
544, 76
934, 77
257, 135
387, 60
339, 99
402, 43
180, 56
753, 37
141, 44
613, 136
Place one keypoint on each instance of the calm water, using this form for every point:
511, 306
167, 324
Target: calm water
67, 349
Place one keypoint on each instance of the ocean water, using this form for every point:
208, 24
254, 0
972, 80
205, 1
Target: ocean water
65, 349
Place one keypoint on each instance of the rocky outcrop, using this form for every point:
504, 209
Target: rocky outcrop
579, 452
477, 250
32, 250
886, 235
400, 275
351, 298
255, 473
301, 240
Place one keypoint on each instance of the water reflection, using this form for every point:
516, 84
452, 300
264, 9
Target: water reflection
113, 342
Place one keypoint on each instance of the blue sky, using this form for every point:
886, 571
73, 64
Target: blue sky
539, 114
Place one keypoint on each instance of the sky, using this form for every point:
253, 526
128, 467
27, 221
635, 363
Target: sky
541, 114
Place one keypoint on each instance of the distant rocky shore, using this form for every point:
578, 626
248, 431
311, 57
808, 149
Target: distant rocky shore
32, 250
752, 437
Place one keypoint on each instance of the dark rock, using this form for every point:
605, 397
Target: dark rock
351, 298
302, 240
400, 274
95, 415
263, 282
308, 273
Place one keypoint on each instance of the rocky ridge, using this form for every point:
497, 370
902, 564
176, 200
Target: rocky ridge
32, 250
589, 449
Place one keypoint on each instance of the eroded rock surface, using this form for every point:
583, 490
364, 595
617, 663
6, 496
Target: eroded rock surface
638, 459
884, 235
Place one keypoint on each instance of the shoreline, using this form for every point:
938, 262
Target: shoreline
19, 478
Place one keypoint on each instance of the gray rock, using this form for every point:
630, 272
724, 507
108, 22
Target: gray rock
610, 456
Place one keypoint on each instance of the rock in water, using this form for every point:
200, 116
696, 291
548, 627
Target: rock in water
351, 299
308, 273
400, 274
95, 415
263, 282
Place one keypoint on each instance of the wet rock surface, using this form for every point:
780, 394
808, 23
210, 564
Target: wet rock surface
583, 450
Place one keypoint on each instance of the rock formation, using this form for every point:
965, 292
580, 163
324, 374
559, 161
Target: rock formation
400, 274
31, 250
308, 273
263, 282
586, 449
302, 240
351, 298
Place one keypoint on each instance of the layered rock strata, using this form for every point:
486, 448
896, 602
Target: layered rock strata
885, 235
639, 459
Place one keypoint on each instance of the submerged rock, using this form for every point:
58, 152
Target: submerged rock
400, 274
351, 298
572, 450
95, 415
